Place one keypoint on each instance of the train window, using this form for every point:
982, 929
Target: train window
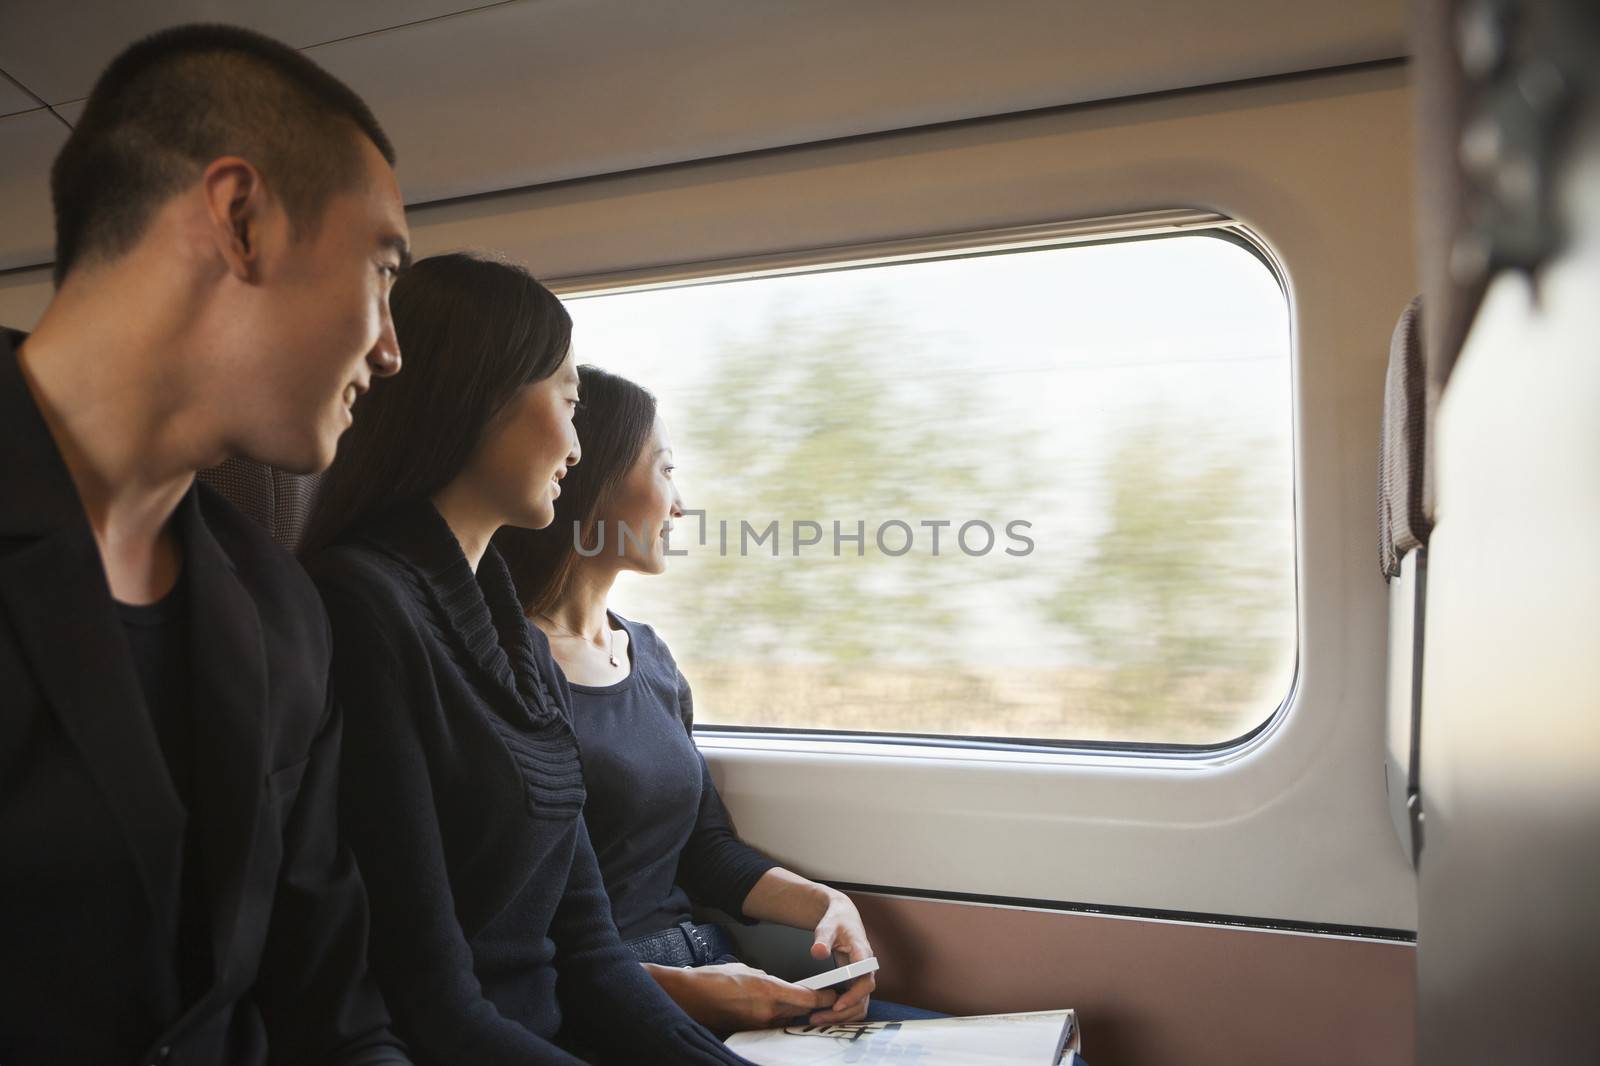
1043, 494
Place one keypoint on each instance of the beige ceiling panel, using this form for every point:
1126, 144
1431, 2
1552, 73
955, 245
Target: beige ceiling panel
536, 92
28, 145
13, 99
58, 48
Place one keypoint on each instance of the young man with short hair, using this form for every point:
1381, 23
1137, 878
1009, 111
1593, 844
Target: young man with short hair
173, 886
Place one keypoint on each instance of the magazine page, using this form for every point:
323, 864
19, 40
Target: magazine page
990, 1040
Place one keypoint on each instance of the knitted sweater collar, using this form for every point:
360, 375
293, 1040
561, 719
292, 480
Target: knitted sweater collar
480, 612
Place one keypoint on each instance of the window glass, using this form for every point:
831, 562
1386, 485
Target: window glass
1042, 494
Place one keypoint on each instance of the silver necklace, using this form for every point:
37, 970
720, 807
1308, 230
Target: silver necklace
611, 653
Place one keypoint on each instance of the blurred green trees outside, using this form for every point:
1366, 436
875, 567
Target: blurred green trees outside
1165, 613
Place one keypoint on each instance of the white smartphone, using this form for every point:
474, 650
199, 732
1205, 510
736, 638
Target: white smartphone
839, 976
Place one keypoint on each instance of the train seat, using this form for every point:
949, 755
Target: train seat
280, 501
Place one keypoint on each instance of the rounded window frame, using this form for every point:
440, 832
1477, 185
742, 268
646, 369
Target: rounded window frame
1113, 229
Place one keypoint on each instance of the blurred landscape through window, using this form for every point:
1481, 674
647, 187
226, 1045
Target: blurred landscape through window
1070, 471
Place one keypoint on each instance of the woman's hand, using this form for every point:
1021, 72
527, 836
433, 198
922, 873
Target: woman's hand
841, 937
732, 996
784, 896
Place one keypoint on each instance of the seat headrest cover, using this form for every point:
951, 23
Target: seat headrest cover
278, 501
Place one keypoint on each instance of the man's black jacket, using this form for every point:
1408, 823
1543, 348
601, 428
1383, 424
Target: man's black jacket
92, 830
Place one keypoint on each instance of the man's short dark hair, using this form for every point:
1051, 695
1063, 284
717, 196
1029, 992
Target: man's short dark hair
177, 100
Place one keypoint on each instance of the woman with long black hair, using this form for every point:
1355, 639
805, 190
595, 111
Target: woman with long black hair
660, 831
462, 787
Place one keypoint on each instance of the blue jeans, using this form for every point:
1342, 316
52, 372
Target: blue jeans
879, 1011
684, 944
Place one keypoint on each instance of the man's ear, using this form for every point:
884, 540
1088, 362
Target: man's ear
236, 204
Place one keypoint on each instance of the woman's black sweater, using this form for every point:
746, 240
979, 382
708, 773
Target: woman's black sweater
462, 793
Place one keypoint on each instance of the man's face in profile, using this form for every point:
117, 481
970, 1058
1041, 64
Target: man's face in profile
324, 324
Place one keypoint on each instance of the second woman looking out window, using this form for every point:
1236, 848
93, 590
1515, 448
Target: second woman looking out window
661, 833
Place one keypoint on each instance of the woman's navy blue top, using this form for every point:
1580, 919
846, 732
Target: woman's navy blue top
659, 828
461, 795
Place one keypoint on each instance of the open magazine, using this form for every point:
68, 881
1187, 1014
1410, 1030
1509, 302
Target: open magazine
1042, 1038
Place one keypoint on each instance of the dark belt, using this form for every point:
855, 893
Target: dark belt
684, 944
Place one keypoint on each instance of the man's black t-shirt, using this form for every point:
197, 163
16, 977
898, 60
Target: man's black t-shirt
159, 638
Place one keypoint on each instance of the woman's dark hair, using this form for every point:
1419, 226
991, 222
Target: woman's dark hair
472, 331
613, 425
